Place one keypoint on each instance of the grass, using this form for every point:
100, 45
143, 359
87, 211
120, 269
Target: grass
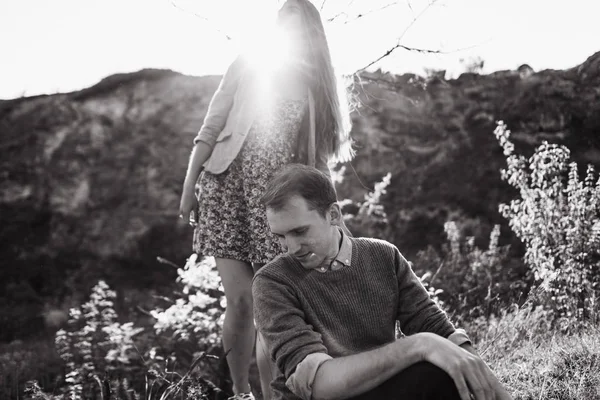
533, 360
558, 366
536, 361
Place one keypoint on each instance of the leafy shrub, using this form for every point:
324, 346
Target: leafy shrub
368, 218
557, 217
469, 281
96, 343
192, 323
198, 314
107, 359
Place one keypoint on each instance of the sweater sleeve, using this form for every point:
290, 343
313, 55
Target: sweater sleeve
220, 104
280, 319
417, 312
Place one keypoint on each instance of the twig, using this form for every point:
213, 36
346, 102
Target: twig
164, 298
336, 16
399, 45
415, 19
341, 12
201, 17
375, 10
361, 15
418, 50
437, 272
165, 261
140, 309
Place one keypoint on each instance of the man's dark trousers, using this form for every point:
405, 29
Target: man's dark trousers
421, 381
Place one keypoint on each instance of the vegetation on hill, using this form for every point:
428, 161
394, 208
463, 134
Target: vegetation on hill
541, 334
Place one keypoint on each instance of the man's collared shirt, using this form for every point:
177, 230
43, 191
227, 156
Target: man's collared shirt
343, 257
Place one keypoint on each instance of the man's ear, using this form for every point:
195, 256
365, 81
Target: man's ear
335, 212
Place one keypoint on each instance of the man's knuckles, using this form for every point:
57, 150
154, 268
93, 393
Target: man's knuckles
465, 364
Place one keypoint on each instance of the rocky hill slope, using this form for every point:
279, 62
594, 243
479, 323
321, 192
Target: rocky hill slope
90, 180
436, 137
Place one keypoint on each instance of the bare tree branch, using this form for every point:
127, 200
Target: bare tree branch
401, 46
410, 7
415, 49
361, 15
398, 45
416, 18
341, 12
201, 17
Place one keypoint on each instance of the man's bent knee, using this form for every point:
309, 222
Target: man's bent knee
434, 381
421, 381
431, 373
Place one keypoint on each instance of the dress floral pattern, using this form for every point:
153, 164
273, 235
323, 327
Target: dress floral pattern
232, 223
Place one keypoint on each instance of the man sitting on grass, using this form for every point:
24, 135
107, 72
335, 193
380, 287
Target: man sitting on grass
328, 310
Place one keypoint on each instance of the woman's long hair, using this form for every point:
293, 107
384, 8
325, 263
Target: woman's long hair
332, 119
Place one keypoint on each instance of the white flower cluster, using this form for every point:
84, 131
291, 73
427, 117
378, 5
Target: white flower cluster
199, 274
120, 338
372, 206
200, 312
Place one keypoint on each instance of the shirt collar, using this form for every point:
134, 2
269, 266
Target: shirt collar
343, 257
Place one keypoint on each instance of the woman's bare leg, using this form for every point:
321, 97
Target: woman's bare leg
238, 327
265, 366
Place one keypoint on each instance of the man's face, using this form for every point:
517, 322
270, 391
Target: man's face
305, 234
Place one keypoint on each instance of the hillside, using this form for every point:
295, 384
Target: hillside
91, 180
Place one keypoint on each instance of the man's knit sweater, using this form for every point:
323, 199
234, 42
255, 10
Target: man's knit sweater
341, 312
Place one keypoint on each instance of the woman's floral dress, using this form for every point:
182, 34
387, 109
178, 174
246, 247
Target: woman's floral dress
232, 223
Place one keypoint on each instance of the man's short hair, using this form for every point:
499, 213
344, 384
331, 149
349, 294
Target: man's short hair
300, 180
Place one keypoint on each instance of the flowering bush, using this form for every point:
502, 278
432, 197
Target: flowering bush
369, 218
199, 314
557, 217
95, 343
469, 281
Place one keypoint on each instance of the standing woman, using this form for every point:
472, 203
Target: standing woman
259, 120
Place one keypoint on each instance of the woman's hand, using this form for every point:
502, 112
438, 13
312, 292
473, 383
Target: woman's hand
188, 204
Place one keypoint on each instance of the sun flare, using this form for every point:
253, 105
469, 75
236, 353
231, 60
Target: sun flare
270, 49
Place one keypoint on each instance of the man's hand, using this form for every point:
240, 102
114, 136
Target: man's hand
472, 377
501, 392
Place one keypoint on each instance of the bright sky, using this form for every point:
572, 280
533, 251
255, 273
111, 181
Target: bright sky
49, 46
